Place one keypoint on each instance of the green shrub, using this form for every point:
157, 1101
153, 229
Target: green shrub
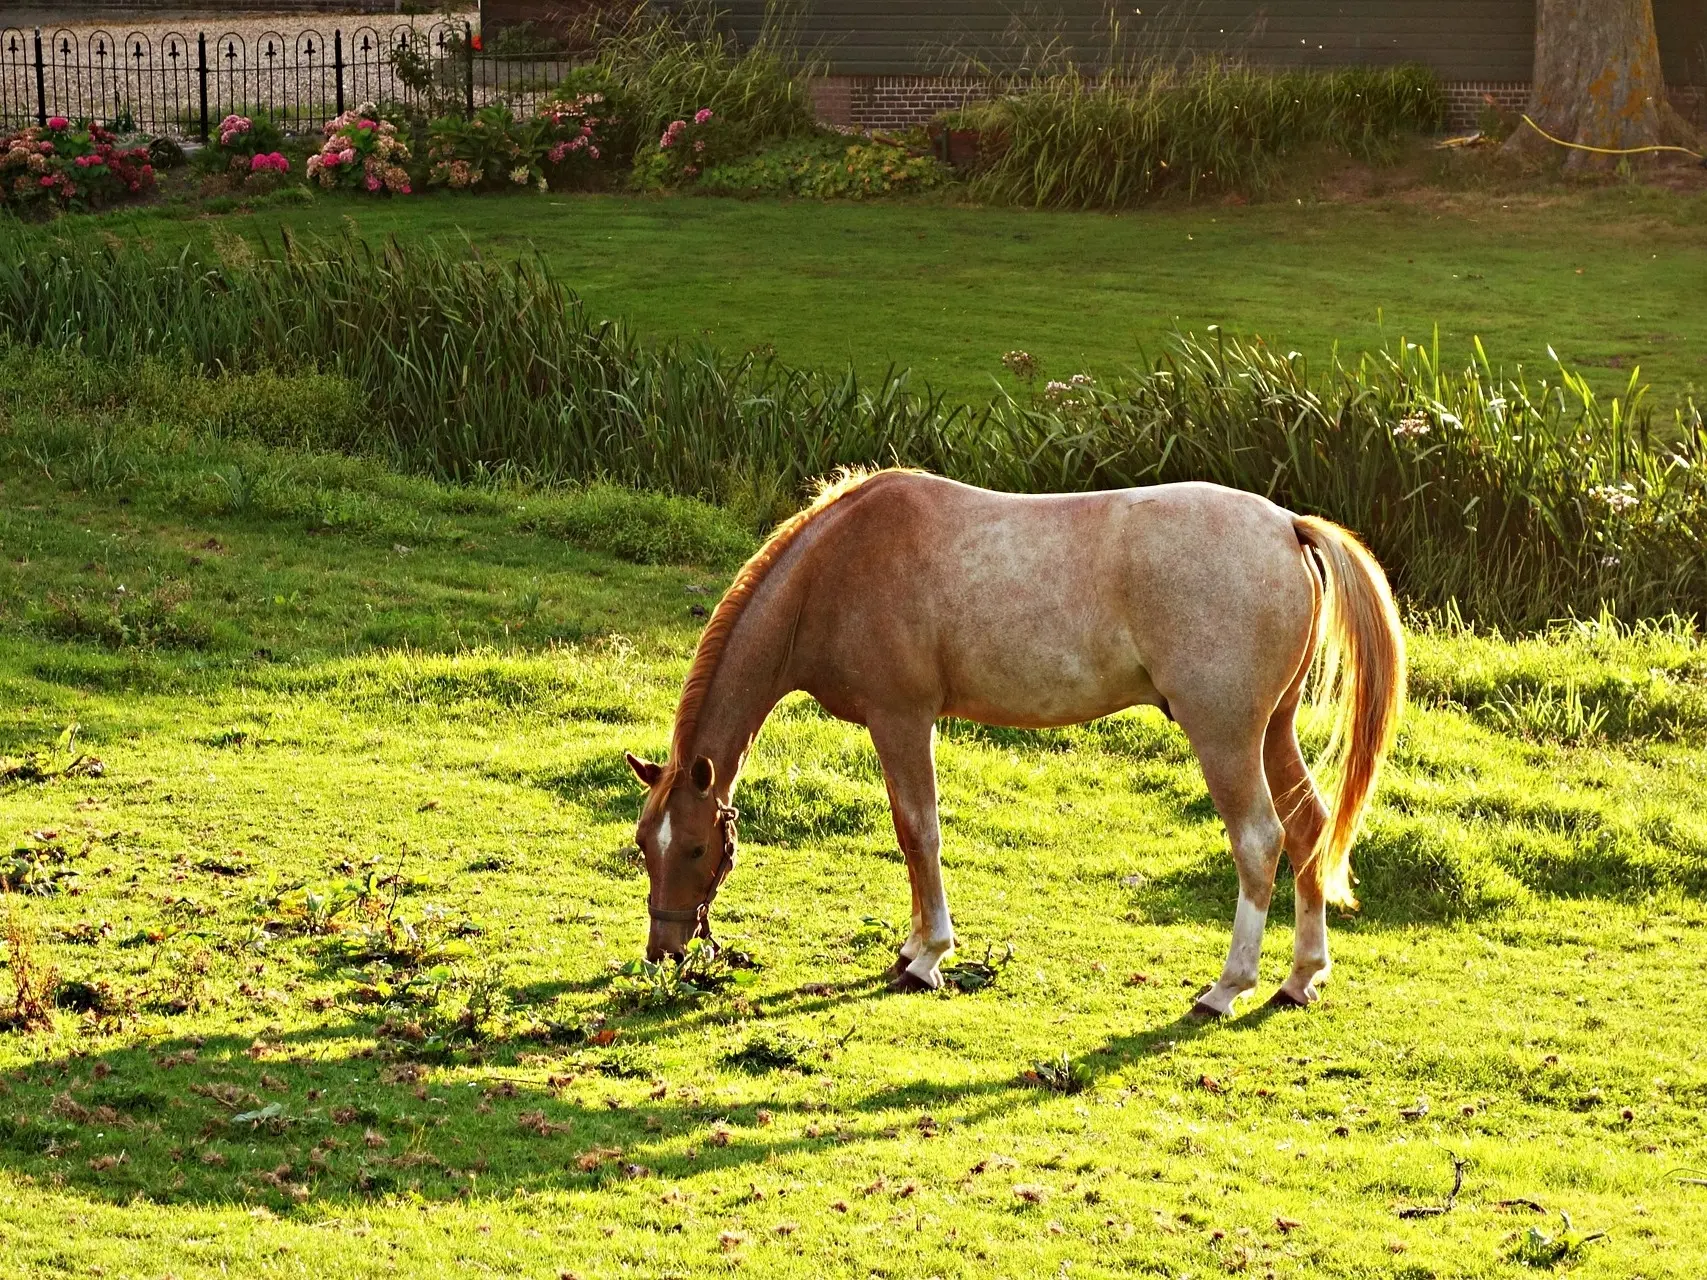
828, 166
237, 140
1070, 140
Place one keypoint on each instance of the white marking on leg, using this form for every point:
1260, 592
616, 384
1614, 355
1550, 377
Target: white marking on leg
1240, 975
936, 938
664, 836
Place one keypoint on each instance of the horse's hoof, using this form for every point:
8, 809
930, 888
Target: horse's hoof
1284, 999
1201, 1012
907, 980
899, 967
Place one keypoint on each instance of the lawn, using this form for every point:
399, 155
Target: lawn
350, 894
1611, 278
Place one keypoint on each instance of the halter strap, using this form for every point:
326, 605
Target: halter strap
700, 916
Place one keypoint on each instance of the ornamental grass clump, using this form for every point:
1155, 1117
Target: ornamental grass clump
1508, 500
1081, 140
362, 152
669, 65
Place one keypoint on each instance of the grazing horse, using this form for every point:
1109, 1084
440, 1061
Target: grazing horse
900, 597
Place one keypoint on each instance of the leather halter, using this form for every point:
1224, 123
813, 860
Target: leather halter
700, 916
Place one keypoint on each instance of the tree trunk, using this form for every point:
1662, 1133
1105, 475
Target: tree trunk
1598, 82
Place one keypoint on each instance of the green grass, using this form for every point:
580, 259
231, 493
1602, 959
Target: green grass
946, 290
1508, 501
348, 670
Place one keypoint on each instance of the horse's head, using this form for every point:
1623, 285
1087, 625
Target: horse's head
687, 837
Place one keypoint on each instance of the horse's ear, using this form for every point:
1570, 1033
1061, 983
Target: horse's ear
645, 770
703, 775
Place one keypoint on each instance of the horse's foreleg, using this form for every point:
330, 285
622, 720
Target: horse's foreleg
1304, 814
914, 942
1233, 767
906, 749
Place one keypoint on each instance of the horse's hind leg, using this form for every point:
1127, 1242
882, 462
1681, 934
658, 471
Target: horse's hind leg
907, 752
1231, 753
1304, 814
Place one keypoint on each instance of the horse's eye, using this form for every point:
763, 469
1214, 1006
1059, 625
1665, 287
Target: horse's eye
698, 851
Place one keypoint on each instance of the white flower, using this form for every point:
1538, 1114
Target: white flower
1412, 426
1617, 498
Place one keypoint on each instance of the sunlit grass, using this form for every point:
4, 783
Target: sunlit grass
446, 703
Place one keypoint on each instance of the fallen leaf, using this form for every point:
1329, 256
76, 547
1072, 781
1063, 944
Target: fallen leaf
1030, 1192
1287, 1224
731, 1241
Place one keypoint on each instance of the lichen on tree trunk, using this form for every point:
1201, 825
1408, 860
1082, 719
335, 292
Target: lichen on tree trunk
1598, 82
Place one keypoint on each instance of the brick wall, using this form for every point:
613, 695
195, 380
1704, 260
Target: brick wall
891, 102
1465, 100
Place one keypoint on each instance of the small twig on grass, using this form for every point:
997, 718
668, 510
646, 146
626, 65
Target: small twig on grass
1689, 1182
1519, 1203
1435, 1210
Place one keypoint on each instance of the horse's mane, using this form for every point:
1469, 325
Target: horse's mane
715, 638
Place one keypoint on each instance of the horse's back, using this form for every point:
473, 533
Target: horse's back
1054, 608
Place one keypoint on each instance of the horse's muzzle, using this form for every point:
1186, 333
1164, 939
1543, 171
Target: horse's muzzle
667, 939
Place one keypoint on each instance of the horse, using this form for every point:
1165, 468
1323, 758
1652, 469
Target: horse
899, 597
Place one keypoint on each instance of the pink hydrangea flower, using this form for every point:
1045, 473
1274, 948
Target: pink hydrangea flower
58, 122
372, 183
702, 115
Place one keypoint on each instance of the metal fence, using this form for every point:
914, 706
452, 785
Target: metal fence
182, 85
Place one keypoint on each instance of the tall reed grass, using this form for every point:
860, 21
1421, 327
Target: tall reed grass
1511, 502
1071, 139
665, 64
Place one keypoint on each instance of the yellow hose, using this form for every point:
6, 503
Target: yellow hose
1606, 151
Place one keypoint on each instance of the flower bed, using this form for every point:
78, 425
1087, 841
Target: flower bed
63, 166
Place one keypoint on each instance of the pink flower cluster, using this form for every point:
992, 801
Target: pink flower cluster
575, 115
364, 151
65, 163
233, 127
673, 134
274, 160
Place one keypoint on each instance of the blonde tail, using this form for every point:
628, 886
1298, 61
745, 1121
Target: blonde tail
1363, 664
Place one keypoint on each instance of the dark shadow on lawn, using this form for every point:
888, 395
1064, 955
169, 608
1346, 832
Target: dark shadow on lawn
216, 1121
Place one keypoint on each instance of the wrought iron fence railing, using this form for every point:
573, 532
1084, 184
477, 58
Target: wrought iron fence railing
182, 85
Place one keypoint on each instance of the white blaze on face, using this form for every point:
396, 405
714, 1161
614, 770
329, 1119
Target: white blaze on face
664, 836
